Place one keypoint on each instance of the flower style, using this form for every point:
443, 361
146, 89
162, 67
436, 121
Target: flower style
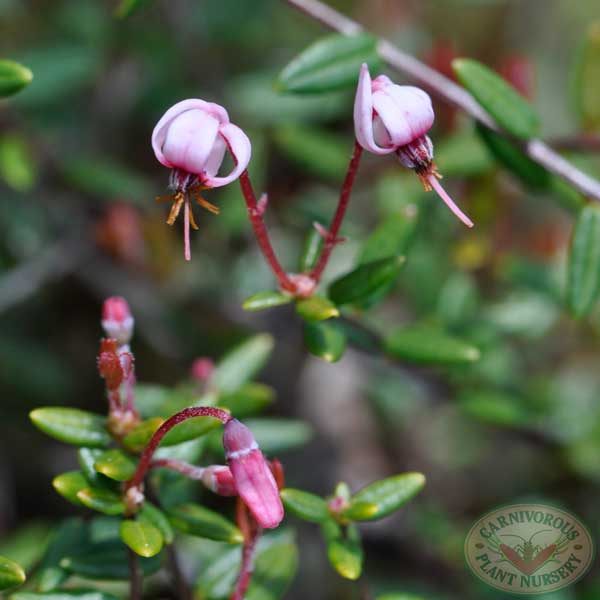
396, 118
191, 139
253, 477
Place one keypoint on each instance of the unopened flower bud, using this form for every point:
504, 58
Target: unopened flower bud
219, 479
117, 320
253, 479
109, 364
396, 118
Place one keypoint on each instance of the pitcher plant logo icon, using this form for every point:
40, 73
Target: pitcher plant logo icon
529, 548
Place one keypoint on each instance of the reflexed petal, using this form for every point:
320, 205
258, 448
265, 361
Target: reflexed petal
190, 139
215, 158
363, 114
415, 105
241, 150
160, 131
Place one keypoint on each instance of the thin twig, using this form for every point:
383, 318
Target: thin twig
332, 234
135, 579
261, 234
445, 88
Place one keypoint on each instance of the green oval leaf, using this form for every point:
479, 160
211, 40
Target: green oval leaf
251, 398
366, 280
344, 549
325, 340
68, 485
11, 574
389, 494
142, 537
190, 430
508, 108
194, 519
331, 63
310, 251
17, 164
156, 517
266, 299
127, 7
242, 363
136, 440
305, 505
115, 464
428, 345
361, 511
103, 501
504, 150
583, 283
494, 407
72, 426
316, 308
13, 77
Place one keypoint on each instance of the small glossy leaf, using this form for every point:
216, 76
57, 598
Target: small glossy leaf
70, 484
127, 7
70, 536
65, 595
325, 339
13, 77
136, 440
251, 398
115, 464
331, 63
17, 165
508, 108
107, 561
366, 280
103, 501
583, 285
586, 80
194, 519
142, 537
311, 251
344, 549
266, 299
429, 345
318, 151
361, 511
72, 426
389, 494
494, 407
305, 505
156, 517
528, 171
11, 574
190, 430
316, 308
87, 457
242, 363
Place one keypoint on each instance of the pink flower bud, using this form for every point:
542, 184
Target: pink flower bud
193, 135
219, 479
117, 320
253, 479
202, 368
393, 118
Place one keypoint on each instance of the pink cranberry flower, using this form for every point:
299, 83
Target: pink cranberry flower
219, 479
396, 118
117, 320
191, 138
253, 478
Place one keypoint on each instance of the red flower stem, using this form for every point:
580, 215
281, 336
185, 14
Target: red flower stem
252, 532
184, 468
338, 218
159, 434
261, 234
114, 400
